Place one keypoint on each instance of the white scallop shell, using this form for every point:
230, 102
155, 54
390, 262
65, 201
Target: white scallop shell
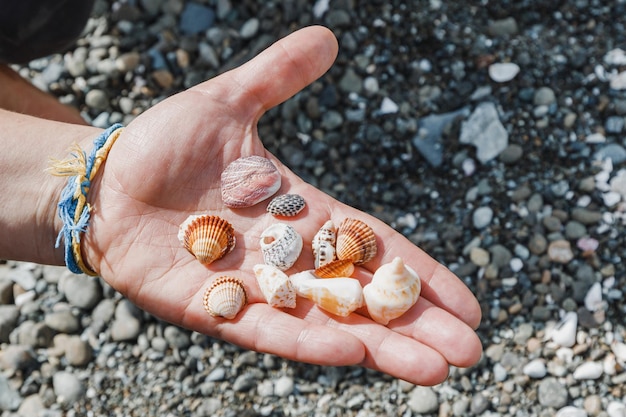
275, 286
225, 297
281, 245
339, 296
324, 244
394, 289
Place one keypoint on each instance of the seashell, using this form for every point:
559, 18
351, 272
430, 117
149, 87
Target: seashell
225, 297
324, 244
287, 205
208, 238
248, 181
355, 241
275, 286
395, 287
281, 245
339, 296
336, 269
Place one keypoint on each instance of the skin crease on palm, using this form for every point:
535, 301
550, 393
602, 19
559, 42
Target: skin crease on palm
166, 165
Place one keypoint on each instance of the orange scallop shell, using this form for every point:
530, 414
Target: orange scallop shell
207, 237
356, 241
336, 269
225, 297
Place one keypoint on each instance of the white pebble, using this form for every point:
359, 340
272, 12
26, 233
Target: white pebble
611, 198
570, 411
589, 370
619, 350
564, 334
482, 217
388, 106
535, 369
595, 138
516, 264
616, 409
618, 82
502, 72
593, 298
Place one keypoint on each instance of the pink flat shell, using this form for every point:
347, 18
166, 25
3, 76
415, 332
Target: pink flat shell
248, 181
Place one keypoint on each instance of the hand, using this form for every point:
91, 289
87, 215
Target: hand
167, 165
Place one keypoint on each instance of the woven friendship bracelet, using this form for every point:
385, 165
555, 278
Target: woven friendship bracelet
74, 210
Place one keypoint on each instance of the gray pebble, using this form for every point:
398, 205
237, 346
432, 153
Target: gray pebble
544, 96
34, 334
482, 217
615, 152
423, 400
479, 404
283, 386
78, 352
245, 382
10, 399
511, 154
125, 329
196, 18
17, 357
503, 27
575, 230
250, 28
350, 82
67, 387
62, 321
81, 290
9, 315
586, 216
176, 337
217, 374
97, 99
538, 244
552, 393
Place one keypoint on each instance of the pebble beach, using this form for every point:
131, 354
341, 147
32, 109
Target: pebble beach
491, 134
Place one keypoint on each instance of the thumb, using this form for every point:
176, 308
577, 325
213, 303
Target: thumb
278, 73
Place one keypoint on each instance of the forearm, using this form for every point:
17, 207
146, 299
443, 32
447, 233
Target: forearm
28, 193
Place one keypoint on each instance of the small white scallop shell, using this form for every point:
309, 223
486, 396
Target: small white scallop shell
339, 296
225, 297
281, 245
323, 244
394, 289
286, 205
275, 286
248, 181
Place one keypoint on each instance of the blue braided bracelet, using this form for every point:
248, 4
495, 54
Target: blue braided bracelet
74, 210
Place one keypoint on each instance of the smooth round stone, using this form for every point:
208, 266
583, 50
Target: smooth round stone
423, 400
81, 291
17, 357
589, 370
535, 369
537, 244
125, 329
511, 154
502, 72
544, 96
77, 351
97, 99
560, 251
67, 387
552, 393
479, 256
482, 217
62, 321
571, 411
283, 386
176, 337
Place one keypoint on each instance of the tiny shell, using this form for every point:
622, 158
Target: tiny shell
248, 181
395, 287
225, 297
286, 205
275, 286
336, 269
339, 296
355, 241
323, 244
281, 246
207, 237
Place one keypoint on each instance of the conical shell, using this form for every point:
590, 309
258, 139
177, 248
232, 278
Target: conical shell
275, 286
336, 269
394, 289
225, 297
281, 245
286, 205
356, 241
339, 296
208, 238
323, 244
248, 181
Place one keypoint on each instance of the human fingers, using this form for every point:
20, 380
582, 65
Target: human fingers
276, 74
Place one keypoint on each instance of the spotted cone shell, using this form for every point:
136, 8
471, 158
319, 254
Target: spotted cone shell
356, 241
225, 297
336, 269
248, 181
207, 237
286, 205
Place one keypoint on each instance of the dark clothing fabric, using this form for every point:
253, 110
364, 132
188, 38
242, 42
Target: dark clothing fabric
32, 29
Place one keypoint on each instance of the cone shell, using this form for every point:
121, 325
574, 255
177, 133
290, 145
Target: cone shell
275, 285
336, 269
394, 289
356, 241
225, 297
323, 244
286, 205
339, 296
208, 238
248, 181
281, 245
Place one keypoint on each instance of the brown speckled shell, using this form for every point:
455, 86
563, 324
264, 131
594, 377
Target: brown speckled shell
356, 241
226, 297
248, 181
286, 205
207, 237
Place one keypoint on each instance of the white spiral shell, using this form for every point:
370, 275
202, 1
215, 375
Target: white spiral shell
281, 245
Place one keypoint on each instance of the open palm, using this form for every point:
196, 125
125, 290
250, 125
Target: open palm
166, 165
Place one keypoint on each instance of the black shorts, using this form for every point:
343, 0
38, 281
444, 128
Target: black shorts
32, 29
